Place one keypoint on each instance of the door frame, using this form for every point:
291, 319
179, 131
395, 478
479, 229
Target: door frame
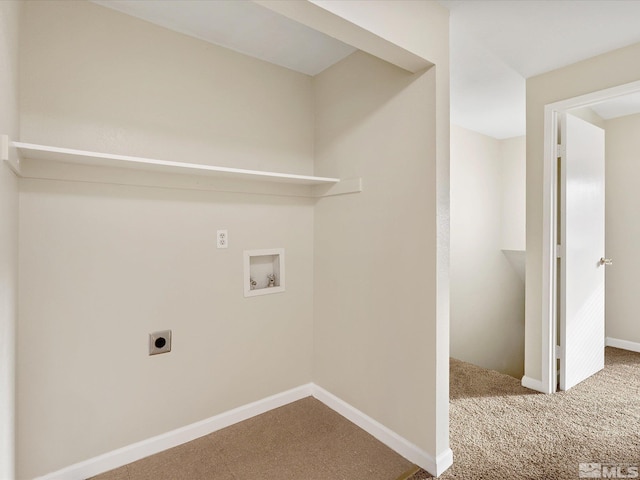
550, 217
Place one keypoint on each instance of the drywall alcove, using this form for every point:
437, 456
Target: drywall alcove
122, 252
259, 267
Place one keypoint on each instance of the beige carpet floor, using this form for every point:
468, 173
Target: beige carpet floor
304, 440
500, 430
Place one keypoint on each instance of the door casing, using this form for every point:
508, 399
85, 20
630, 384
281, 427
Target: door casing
549, 221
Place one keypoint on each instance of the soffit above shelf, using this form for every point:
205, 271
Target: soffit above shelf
244, 27
322, 19
299, 35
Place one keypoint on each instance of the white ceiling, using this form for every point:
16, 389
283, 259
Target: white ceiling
618, 107
495, 45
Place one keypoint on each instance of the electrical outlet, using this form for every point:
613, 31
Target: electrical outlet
222, 239
160, 342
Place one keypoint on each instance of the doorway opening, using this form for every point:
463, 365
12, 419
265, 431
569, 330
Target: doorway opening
553, 353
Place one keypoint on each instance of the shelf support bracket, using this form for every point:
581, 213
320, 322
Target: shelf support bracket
343, 187
9, 154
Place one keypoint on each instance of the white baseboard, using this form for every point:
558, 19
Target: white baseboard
131, 453
443, 462
391, 439
623, 344
533, 384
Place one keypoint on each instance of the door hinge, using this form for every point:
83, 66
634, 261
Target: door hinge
561, 151
559, 251
558, 352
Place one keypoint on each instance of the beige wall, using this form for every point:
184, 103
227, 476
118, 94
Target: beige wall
513, 152
487, 296
622, 229
104, 265
368, 318
148, 91
604, 71
381, 324
9, 20
393, 294
424, 32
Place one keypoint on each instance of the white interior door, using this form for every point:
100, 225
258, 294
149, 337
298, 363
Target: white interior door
581, 300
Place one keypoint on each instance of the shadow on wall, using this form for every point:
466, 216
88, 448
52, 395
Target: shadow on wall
487, 250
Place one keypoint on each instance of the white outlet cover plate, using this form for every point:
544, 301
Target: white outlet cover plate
222, 239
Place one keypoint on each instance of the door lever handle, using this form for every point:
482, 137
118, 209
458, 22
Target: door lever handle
606, 261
